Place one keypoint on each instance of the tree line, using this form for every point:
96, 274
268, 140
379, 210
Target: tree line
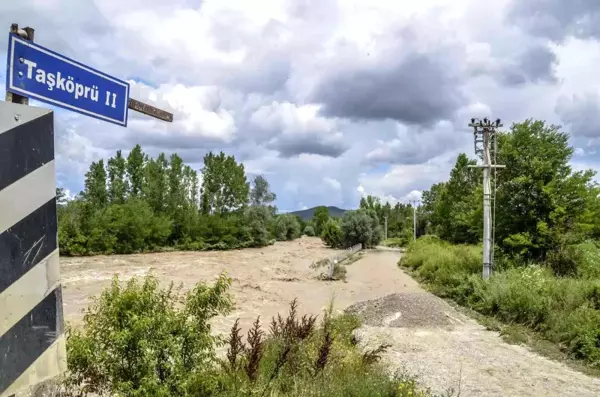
542, 206
139, 203
546, 241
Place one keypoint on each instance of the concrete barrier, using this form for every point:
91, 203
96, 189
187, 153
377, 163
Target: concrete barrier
32, 343
340, 257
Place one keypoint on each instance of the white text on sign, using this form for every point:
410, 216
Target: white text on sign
67, 84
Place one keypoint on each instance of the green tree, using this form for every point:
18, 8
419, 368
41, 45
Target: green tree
372, 203
539, 198
224, 187
117, 182
61, 197
459, 202
155, 186
361, 227
161, 208
309, 231
261, 193
133, 227
257, 220
287, 227
332, 234
135, 170
95, 192
320, 218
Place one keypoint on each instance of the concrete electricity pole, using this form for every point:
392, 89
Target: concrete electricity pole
414, 205
385, 234
484, 132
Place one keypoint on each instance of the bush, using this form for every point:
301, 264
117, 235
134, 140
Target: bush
332, 234
395, 242
563, 260
361, 227
589, 260
287, 227
138, 341
257, 220
309, 231
443, 265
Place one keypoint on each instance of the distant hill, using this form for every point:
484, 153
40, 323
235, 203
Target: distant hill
308, 213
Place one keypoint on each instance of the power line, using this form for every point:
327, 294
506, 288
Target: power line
484, 134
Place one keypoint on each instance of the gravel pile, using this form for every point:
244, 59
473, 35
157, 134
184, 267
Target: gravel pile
404, 310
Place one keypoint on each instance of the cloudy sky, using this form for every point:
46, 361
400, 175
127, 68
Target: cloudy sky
328, 99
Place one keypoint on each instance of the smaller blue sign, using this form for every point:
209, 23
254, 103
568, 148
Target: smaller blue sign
39, 73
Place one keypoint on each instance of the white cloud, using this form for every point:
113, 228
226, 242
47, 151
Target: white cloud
330, 100
333, 183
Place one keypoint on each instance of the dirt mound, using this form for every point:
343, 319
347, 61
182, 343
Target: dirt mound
404, 310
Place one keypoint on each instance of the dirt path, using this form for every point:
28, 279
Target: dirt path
447, 349
429, 338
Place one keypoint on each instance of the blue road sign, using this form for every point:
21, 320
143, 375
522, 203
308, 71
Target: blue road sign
39, 73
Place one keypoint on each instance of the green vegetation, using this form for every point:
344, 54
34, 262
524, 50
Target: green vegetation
287, 227
139, 203
394, 242
547, 261
355, 227
309, 231
140, 339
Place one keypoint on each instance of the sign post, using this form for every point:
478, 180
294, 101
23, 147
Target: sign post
32, 342
37, 72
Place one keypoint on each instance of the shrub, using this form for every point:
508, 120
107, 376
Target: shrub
136, 341
361, 226
563, 260
332, 234
443, 265
396, 242
287, 227
257, 220
589, 260
309, 231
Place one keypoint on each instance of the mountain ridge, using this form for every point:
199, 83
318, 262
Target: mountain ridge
308, 213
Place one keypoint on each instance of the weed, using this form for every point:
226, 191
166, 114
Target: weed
324, 351
373, 356
255, 352
236, 346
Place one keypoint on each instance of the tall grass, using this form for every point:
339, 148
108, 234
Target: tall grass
565, 310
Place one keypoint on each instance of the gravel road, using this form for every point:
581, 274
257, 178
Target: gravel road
446, 349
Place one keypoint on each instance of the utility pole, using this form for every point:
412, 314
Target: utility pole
414, 205
385, 234
484, 133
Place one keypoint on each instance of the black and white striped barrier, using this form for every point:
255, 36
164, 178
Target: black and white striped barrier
32, 344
